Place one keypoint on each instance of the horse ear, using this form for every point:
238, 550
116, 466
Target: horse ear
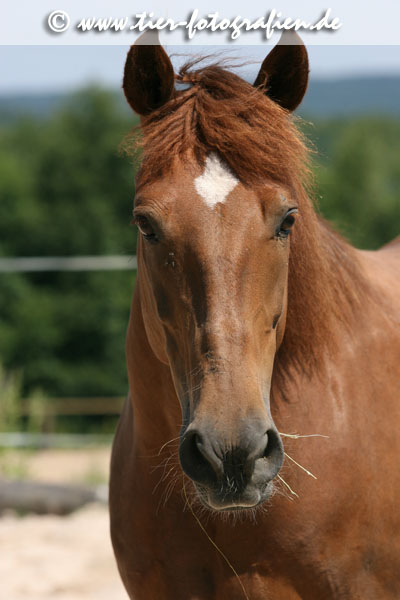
284, 72
148, 75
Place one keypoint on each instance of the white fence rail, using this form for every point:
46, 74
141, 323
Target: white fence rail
22, 439
68, 263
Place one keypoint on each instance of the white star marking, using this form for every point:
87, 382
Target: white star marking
216, 182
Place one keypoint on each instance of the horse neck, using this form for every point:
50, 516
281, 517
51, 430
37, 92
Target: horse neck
328, 295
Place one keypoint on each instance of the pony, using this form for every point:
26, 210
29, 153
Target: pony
256, 454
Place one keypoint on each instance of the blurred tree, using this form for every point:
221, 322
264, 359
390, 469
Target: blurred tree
359, 181
66, 190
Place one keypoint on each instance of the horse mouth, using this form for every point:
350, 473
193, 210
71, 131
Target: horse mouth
218, 502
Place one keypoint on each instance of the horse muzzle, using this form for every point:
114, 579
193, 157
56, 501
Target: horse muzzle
231, 476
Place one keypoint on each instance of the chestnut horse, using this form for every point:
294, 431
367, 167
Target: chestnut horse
251, 321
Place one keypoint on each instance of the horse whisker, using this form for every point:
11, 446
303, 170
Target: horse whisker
300, 466
288, 486
166, 494
164, 463
166, 444
170, 489
162, 478
296, 436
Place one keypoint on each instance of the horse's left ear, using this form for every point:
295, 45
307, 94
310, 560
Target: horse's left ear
284, 72
148, 76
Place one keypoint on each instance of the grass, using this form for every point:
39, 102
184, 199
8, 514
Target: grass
14, 464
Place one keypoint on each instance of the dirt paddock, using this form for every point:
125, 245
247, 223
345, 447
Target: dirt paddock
60, 558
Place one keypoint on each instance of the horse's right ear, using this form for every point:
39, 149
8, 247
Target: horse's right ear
148, 76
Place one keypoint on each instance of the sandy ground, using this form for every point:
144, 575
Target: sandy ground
60, 558
88, 466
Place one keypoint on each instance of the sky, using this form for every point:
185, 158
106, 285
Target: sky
35, 59
42, 69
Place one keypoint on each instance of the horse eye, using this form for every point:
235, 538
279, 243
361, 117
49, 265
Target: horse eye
145, 228
287, 223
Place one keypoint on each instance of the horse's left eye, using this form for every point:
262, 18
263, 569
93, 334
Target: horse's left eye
145, 228
287, 223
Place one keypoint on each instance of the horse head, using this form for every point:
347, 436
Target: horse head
216, 202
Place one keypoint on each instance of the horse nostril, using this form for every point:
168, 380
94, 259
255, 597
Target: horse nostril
197, 440
272, 443
209, 454
274, 451
198, 461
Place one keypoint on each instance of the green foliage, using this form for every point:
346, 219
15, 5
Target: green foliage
66, 190
37, 411
358, 178
10, 400
12, 405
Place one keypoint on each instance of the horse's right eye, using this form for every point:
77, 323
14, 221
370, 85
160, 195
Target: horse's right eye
145, 228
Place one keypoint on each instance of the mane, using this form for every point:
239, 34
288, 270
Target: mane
221, 113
